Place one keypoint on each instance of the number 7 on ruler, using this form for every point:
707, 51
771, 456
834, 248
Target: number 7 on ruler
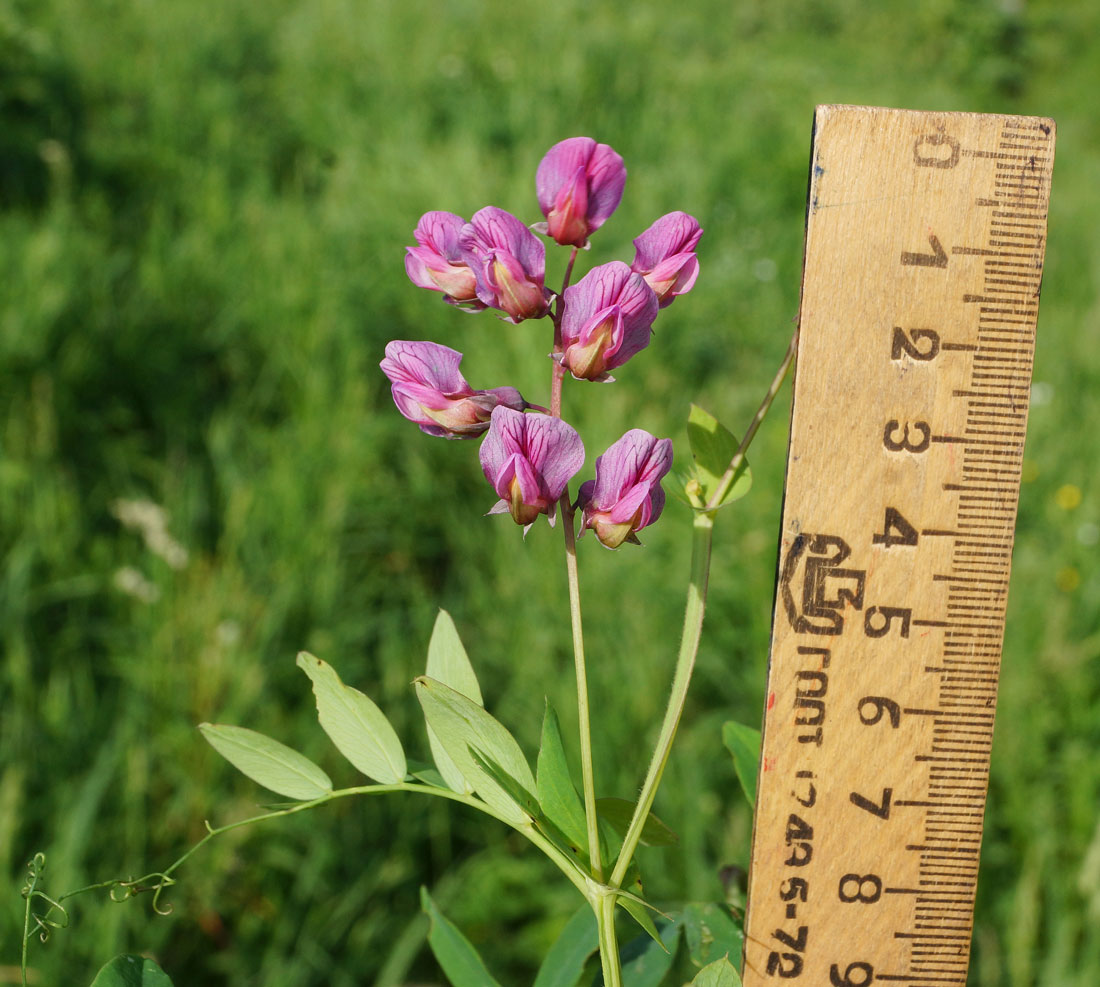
925, 236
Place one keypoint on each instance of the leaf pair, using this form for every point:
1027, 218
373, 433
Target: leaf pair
713, 447
357, 727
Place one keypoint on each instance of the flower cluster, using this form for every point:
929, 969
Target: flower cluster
495, 261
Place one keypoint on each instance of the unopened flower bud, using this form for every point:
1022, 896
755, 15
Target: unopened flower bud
665, 255
579, 184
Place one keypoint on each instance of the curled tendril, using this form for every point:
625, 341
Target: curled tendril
43, 923
156, 882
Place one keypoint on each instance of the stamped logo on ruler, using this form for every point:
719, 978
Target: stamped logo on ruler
924, 249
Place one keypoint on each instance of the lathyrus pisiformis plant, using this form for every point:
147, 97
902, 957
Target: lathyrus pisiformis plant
530, 456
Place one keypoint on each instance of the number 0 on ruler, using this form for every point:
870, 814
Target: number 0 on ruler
924, 252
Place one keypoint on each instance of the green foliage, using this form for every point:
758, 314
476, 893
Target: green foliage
457, 957
202, 217
558, 798
720, 973
357, 727
711, 933
131, 971
618, 812
743, 743
647, 959
449, 664
713, 447
472, 737
268, 762
566, 959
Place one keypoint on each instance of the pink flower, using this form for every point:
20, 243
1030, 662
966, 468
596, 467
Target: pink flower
529, 459
608, 318
438, 263
509, 263
579, 184
429, 390
665, 255
626, 494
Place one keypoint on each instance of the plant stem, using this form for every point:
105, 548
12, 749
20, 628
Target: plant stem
693, 625
739, 457
588, 781
583, 720
558, 373
160, 880
604, 907
689, 647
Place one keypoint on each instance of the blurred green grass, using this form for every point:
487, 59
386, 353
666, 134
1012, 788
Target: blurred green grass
202, 214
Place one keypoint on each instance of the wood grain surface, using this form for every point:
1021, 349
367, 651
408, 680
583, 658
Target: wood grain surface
925, 235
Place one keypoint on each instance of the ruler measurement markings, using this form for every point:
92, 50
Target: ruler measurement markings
842, 597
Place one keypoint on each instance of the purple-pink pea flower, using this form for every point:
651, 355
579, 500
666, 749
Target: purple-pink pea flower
429, 389
529, 460
665, 255
579, 184
509, 264
626, 495
439, 264
608, 318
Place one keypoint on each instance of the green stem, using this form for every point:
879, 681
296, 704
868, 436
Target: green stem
693, 624
158, 881
604, 906
727, 479
588, 780
685, 663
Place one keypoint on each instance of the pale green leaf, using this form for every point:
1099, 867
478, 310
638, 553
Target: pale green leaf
131, 971
743, 743
713, 446
720, 973
453, 951
557, 795
448, 663
564, 963
711, 933
461, 725
357, 727
267, 762
618, 812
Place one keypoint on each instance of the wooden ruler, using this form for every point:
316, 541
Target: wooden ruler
924, 250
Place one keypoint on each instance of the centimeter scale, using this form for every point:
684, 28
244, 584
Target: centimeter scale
924, 251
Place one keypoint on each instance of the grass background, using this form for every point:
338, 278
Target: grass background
203, 207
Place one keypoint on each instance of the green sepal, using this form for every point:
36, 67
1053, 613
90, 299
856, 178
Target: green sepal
353, 722
713, 446
461, 726
128, 970
710, 932
452, 950
743, 743
268, 762
564, 963
618, 813
448, 663
720, 973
